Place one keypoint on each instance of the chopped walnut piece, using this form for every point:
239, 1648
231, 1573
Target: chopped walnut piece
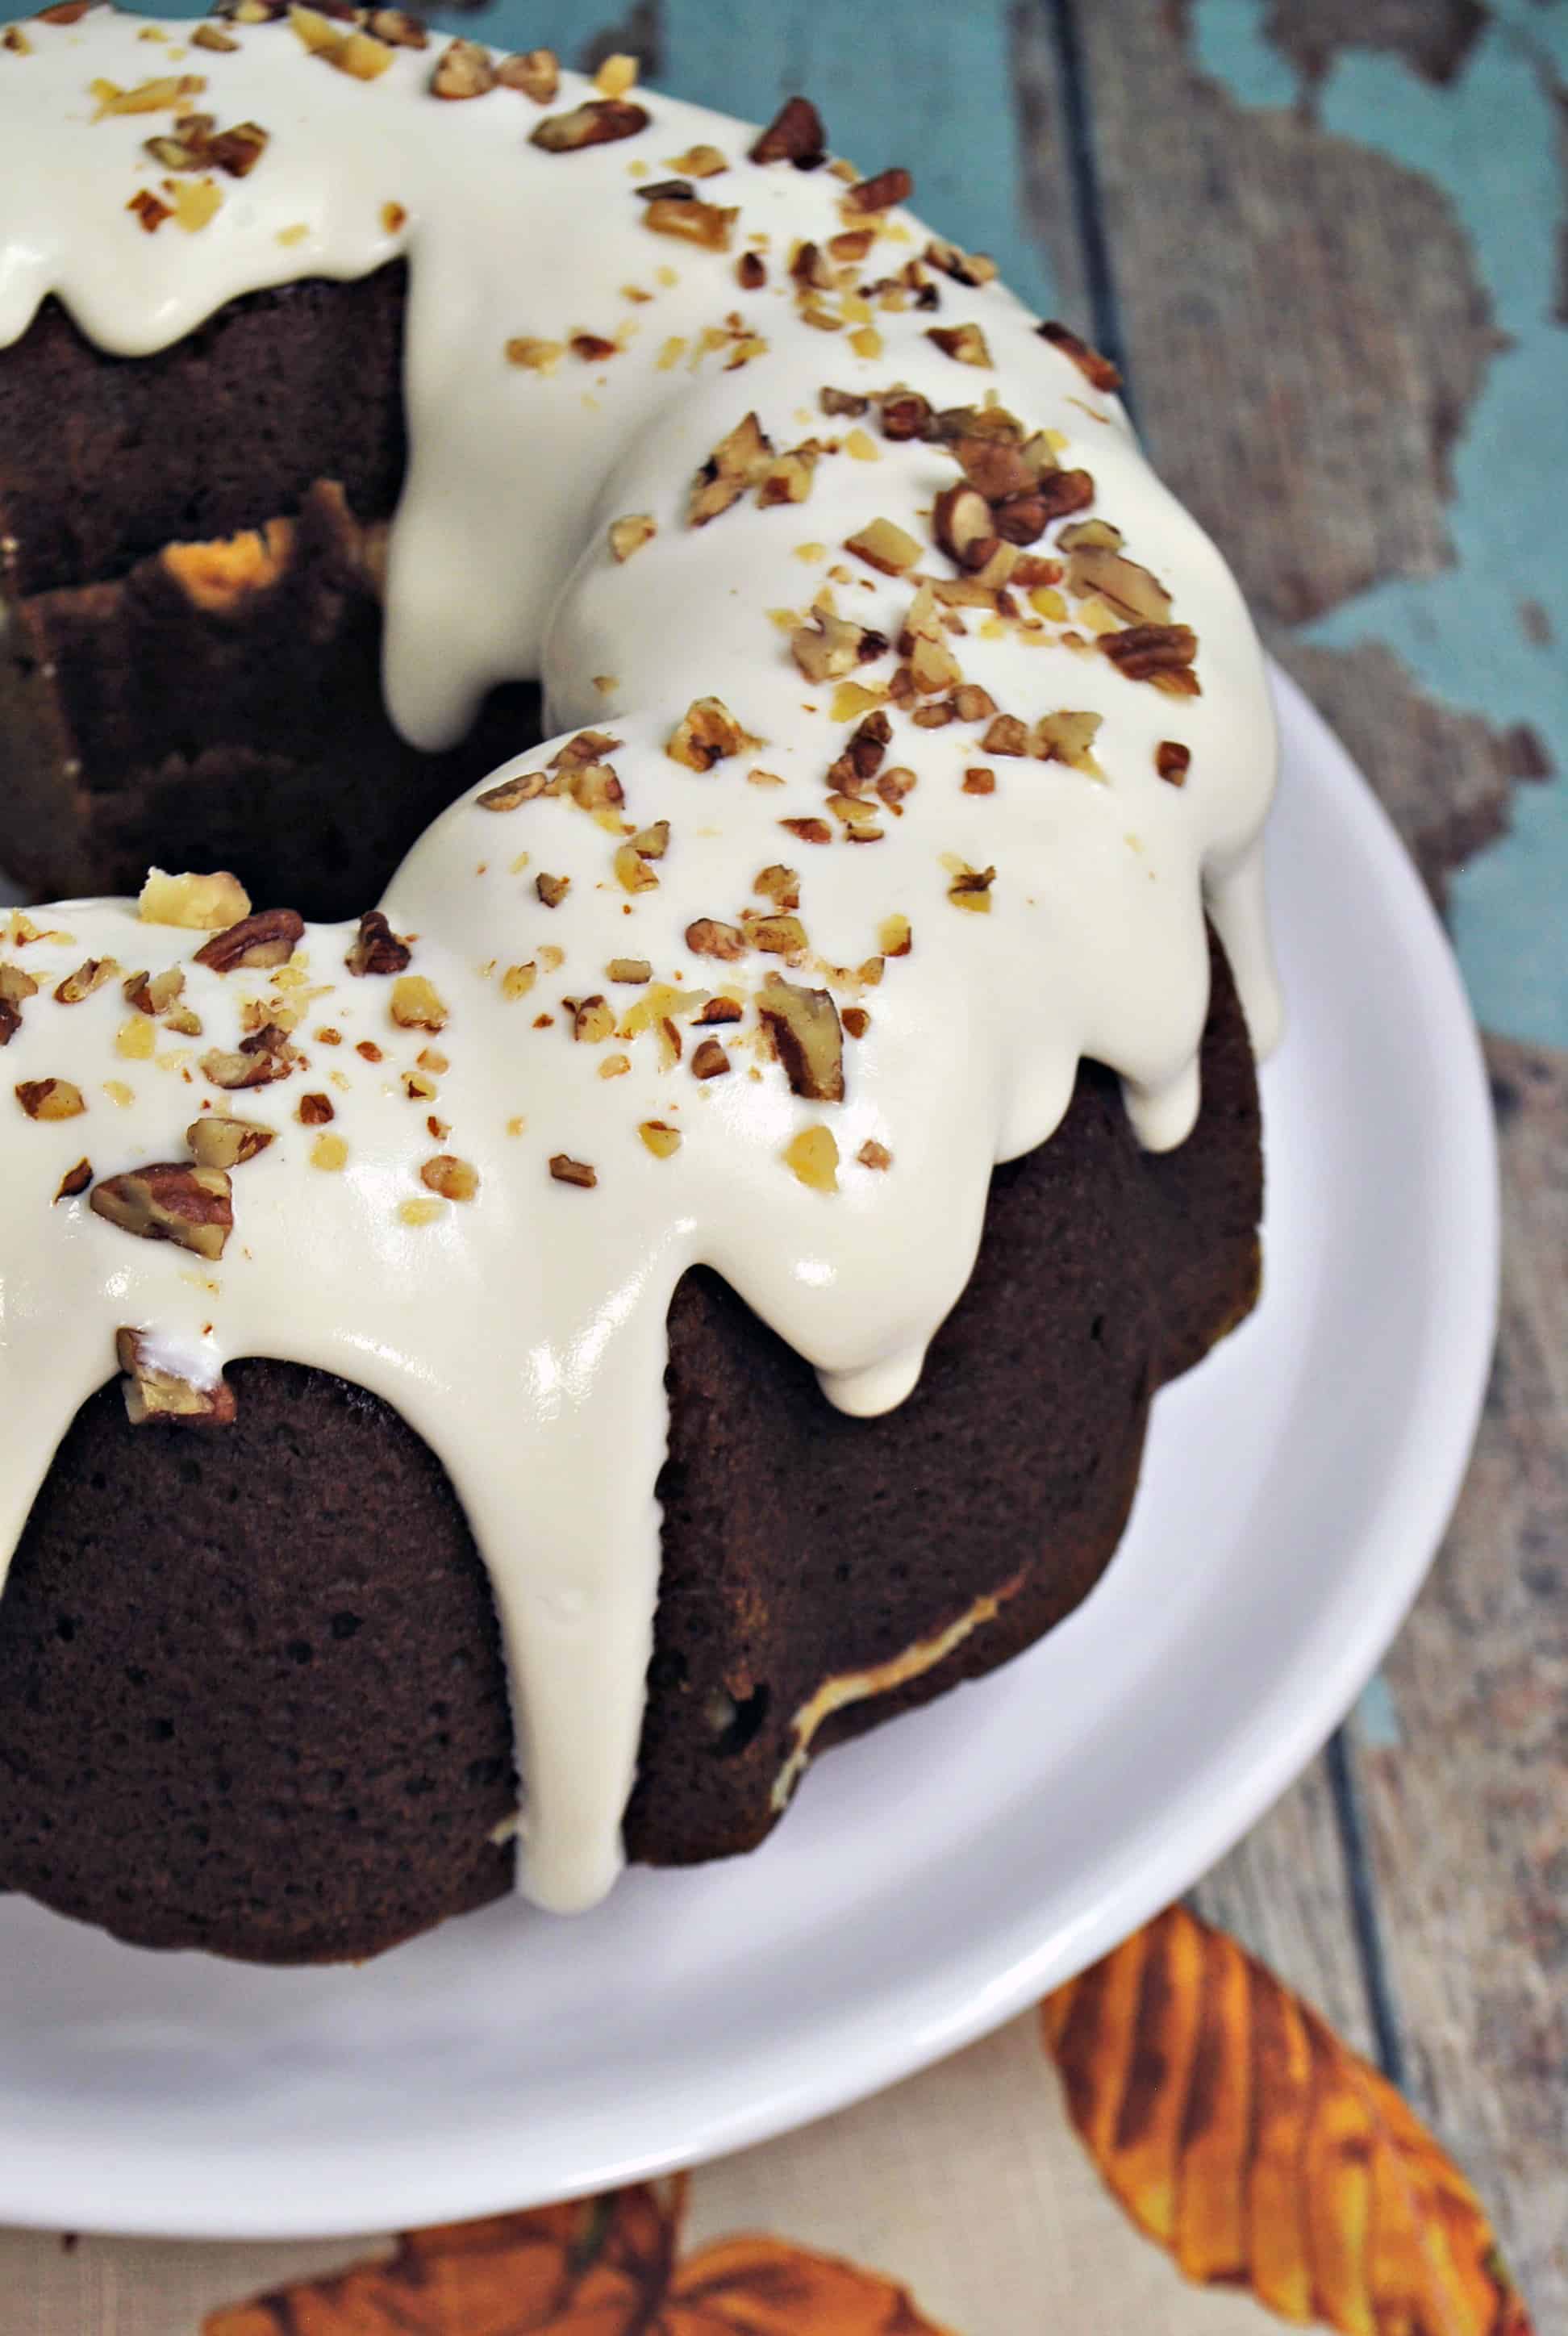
1172, 761
971, 888
809, 831
225, 1143
881, 192
812, 1156
521, 788
721, 1009
551, 889
660, 1138
829, 646
1098, 371
1069, 737
632, 870
973, 703
1162, 654
750, 271
965, 344
14, 987
169, 1201
50, 1099
787, 478
706, 733
1006, 735
706, 937
269, 938
964, 267
884, 545
535, 72
314, 1109
567, 1171
415, 1004
904, 413
464, 69
197, 903
804, 1027
593, 1021
728, 470
872, 1154
796, 134
856, 1021
88, 977
453, 1178
1130, 589
399, 29
777, 936
629, 535
710, 1060
634, 970
964, 527
779, 884
862, 758
261, 1058
894, 785
376, 948
593, 348
519, 979
980, 779
708, 224
157, 1396
600, 122
74, 1181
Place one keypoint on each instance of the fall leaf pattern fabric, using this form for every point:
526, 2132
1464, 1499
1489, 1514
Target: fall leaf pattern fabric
1226, 2117
598, 2267
1236, 2129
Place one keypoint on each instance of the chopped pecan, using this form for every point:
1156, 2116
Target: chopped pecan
593, 1021
269, 938
464, 69
707, 937
728, 470
521, 788
804, 1027
862, 757
399, 29
217, 1142
169, 1201
267, 1055
91, 975
710, 1060
964, 267
600, 122
706, 733
314, 1109
157, 1396
690, 221
963, 526
660, 1138
830, 646
453, 1178
50, 1099
872, 1154
1132, 590
750, 271
904, 413
76, 1179
779, 884
1158, 653
568, 1171
721, 1009
376, 948
880, 192
965, 344
626, 536
1172, 761
796, 134
1095, 369
551, 889
1006, 735
809, 831
535, 72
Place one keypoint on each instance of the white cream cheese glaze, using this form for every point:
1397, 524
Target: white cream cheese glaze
521, 1332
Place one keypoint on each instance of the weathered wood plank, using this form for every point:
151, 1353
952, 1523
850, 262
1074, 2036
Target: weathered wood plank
1464, 1782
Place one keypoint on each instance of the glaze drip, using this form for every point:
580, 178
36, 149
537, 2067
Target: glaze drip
515, 1313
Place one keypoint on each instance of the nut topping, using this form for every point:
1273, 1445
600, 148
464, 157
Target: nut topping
464, 70
567, 1171
74, 1181
661, 1139
551, 889
1172, 761
629, 535
1098, 371
880, 192
710, 1060
376, 948
155, 1396
729, 470
197, 903
225, 1143
171, 1202
87, 977
269, 938
260, 1059
1162, 654
453, 1178
708, 224
706, 733
50, 1099
884, 545
706, 937
796, 134
965, 344
535, 72
521, 788
963, 526
600, 122
804, 1027
830, 646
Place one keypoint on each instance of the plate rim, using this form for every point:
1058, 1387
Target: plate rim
996, 1974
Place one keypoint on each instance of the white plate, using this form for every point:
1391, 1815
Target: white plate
935, 1877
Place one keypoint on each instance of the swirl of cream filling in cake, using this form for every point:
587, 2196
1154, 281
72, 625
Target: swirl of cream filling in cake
908, 728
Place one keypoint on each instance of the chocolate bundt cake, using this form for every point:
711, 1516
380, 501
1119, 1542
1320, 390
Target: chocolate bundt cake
575, 1342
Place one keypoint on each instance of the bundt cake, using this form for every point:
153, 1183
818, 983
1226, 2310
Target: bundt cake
576, 1303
